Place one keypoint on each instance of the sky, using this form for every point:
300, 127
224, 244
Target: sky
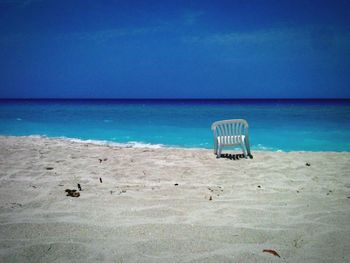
174, 49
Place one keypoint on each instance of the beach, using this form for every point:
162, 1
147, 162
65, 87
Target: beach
170, 204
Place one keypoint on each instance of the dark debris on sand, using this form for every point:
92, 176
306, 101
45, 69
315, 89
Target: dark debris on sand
72, 192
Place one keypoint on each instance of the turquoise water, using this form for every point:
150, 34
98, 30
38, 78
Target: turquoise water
287, 125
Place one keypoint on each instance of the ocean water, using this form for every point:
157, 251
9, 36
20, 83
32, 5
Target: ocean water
286, 125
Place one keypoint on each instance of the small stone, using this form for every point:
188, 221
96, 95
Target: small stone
210, 198
100, 180
308, 164
259, 186
49, 168
176, 184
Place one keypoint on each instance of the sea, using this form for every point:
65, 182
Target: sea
274, 124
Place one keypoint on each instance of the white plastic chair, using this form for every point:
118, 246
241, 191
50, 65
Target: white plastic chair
231, 133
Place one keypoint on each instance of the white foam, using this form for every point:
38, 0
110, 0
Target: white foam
130, 144
37, 136
137, 144
261, 147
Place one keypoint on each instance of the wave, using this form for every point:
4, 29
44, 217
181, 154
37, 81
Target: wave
140, 144
260, 147
130, 144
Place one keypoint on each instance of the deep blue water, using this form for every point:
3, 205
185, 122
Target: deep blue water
287, 125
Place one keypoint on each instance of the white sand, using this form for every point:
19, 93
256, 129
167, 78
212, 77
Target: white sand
138, 214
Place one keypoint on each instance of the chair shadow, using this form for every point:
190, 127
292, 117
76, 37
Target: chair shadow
235, 157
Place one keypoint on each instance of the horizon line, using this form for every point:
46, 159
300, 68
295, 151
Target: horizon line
174, 98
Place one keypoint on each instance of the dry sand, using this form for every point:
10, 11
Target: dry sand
170, 205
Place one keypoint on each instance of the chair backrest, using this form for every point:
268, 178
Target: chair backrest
230, 128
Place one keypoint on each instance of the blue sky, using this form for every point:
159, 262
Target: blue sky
174, 49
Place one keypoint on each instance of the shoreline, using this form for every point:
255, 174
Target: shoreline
170, 204
135, 144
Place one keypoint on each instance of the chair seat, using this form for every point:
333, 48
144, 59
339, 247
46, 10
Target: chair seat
230, 140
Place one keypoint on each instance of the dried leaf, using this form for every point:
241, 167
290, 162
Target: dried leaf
273, 252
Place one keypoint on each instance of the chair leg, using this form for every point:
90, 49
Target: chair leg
247, 145
218, 154
244, 150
